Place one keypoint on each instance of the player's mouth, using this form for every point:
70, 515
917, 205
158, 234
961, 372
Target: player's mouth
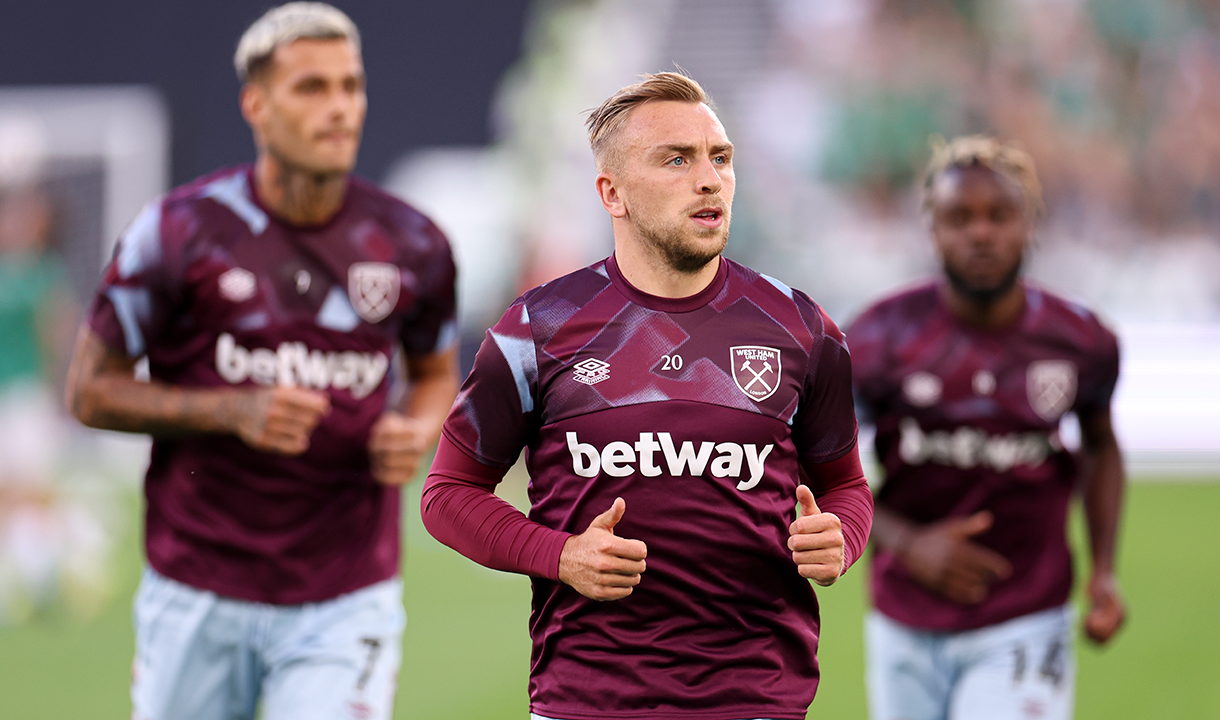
336, 136
708, 217
984, 262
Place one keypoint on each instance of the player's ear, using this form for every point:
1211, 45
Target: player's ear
612, 200
253, 103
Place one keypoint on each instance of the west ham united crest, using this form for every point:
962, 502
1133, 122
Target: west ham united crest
1051, 387
755, 370
373, 289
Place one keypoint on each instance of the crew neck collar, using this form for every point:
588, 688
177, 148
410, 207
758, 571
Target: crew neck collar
664, 304
256, 198
1029, 300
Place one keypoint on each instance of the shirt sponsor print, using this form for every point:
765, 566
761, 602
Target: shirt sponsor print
756, 370
968, 447
620, 459
295, 365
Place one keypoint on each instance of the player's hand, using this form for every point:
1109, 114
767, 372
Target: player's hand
281, 419
816, 541
942, 557
397, 445
1107, 611
600, 565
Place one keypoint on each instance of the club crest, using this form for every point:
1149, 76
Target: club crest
373, 289
755, 370
1051, 387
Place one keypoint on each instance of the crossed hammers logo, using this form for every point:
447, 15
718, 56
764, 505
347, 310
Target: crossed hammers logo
766, 368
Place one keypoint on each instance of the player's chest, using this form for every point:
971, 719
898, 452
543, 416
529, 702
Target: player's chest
645, 357
277, 280
964, 379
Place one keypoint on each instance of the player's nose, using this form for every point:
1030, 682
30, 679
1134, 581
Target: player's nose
709, 180
981, 231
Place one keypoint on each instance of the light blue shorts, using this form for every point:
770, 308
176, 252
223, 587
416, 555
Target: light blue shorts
207, 657
1022, 668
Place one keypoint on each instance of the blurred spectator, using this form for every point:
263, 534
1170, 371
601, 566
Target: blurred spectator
51, 548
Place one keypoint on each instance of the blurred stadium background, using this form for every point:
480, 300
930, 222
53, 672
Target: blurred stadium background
476, 113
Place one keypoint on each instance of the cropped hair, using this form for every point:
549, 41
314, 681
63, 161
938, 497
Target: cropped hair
608, 119
284, 24
1004, 158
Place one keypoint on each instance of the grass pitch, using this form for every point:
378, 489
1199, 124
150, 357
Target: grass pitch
467, 649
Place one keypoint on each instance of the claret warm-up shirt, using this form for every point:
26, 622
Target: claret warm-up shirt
217, 292
702, 413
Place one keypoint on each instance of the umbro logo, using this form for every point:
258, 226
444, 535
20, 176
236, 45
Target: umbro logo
923, 389
591, 371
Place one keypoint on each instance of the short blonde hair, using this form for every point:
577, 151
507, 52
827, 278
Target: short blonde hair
1005, 158
284, 24
608, 119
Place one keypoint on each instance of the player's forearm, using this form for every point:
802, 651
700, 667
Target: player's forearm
460, 509
488, 530
853, 505
430, 402
1103, 500
103, 392
891, 532
130, 405
434, 385
841, 488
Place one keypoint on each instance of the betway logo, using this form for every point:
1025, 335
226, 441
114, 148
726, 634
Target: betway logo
968, 447
296, 365
618, 458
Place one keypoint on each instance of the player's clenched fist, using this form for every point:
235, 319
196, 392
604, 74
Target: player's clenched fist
1107, 610
600, 565
816, 541
943, 557
396, 446
281, 419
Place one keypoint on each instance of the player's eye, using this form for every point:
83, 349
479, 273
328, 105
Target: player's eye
1002, 215
313, 85
677, 161
956, 218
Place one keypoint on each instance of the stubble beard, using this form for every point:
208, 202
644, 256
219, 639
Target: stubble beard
983, 297
678, 252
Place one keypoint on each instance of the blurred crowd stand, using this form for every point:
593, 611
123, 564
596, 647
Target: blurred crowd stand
833, 106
